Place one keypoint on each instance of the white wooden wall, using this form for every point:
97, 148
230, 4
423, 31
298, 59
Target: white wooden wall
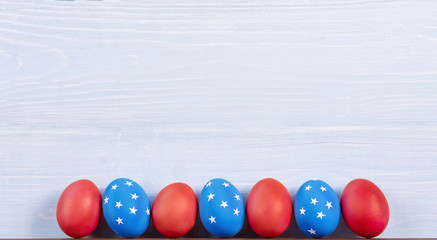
186, 90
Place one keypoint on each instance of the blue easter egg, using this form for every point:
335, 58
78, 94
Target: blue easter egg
221, 208
126, 208
316, 209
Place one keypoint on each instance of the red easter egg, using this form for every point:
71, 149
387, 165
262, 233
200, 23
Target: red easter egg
79, 207
174, 210
365, 208
269, 208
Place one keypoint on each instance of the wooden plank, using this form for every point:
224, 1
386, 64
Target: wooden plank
187, 90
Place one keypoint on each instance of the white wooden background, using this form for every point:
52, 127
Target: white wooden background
187, 90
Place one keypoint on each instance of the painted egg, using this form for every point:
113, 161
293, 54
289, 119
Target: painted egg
365, 208
269, 208
79, 207
316, 209
221, 208
126, 208
174, 210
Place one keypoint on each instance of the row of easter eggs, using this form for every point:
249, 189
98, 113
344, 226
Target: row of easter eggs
269, 208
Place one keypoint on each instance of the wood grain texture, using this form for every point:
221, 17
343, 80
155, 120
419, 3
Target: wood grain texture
166, 91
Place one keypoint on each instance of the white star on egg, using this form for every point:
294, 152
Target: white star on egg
133, 210
134, 196
237, 197
320, 215
236, 212
302, 211
210, 196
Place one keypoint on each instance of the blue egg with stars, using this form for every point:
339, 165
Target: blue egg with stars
126, 208
316, 209
221, 208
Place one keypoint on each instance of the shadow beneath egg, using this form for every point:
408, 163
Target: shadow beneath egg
151, 231
103, 230
342, 230
246, 231
293, 230
198, 231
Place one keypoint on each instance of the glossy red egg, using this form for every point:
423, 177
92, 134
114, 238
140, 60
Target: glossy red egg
79, 208
269, 208
365, 208
174, 210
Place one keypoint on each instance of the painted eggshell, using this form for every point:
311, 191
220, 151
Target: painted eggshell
174, 210
269, 208
365, 208
316, 209
79, 208
126, 208
221, 208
